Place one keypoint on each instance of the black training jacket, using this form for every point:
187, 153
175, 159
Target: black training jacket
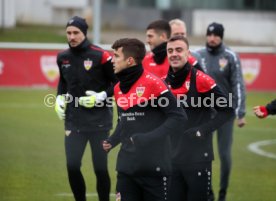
271, 107
149, 124
82, 68
199, 95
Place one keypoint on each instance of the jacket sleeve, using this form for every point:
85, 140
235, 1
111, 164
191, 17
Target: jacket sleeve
201, 57
271, 107
223, 110
62, 86
115, 138
109, 73
238, 87
197, 64
176, 120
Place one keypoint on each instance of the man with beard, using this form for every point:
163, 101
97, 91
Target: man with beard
223, 65
87, 78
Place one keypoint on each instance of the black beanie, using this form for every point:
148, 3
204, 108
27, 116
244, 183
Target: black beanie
216, 29
79, 23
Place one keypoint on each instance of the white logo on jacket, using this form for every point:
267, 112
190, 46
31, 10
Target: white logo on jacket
87, 64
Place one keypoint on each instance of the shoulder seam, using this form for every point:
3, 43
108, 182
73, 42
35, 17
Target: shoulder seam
97, 48
232, 53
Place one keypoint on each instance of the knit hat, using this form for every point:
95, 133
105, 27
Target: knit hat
79, 23
216, 29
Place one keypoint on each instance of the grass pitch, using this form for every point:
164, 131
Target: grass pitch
32, 158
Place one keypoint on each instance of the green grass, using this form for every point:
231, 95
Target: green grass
38, 33
32, 158
34, 33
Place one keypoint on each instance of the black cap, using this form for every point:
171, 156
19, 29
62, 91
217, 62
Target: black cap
79, 23
216, 29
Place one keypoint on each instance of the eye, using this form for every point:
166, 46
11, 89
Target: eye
179, 49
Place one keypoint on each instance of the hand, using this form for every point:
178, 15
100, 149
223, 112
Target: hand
87, 101
92, 98
60, 107
260, 111
241, 122
100, 97
106, 145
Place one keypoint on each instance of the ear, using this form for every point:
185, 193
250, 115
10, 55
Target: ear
163, 36
130, 61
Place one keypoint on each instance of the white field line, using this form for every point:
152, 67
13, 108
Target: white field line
256, 148
87, 194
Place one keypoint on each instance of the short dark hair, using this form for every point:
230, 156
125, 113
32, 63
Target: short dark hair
160, 26
131, 47
178, 37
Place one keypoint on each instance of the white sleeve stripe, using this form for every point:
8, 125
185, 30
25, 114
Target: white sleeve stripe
213, 86
166, 90
239, 93
239, 98
232, 53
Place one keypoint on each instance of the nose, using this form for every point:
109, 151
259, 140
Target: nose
173, 53
71, 36
147, 40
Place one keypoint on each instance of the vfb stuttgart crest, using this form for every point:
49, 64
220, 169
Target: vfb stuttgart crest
222, 63
251, 69
87, 64
140, 91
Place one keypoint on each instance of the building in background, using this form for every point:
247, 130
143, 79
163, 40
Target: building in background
245, 20
7, 13
249, 21
258, 5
